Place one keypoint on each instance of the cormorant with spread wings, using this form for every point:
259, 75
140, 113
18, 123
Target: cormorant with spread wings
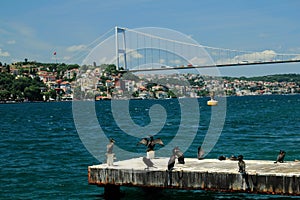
150, 143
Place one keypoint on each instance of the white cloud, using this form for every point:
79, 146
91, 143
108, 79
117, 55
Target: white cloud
200, 61
134, 54
162, 61
266, 55
243, 57
11, 42
76, 48
21, 30
176, 62
4, 53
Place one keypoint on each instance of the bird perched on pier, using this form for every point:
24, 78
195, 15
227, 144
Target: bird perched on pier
200, 153
222, 157
171, 162
179, 155
150, 143
110, 146
148, 162
241, 164
280, 156
242, 170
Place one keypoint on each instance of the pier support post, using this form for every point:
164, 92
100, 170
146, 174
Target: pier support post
110, 159
112, 192
150, 154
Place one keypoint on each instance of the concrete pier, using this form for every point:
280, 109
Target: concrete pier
207, 174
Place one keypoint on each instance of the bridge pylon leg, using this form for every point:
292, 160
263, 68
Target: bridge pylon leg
120, 49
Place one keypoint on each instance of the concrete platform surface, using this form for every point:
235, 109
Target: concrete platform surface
207, 174
253, 167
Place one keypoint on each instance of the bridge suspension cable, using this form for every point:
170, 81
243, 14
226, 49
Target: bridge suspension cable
153, 49
220, 56
198, 45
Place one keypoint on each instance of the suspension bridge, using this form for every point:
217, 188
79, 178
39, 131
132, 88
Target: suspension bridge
154, 49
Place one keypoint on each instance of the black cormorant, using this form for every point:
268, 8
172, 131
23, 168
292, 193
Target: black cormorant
171, 162
280, 156
148, 162
179, 155
150, 143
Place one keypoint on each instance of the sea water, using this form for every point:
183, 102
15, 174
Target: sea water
43, 157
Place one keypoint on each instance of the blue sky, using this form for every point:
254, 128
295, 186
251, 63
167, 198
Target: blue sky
35, 29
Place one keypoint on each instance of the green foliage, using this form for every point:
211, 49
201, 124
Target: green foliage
6, 81
135, 94
171, 94
53, 94
20, 88
33, 89
33, 93
150, 85
269, 78
203, 93
4, 95
111, 70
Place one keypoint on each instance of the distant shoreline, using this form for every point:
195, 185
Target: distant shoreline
87, 100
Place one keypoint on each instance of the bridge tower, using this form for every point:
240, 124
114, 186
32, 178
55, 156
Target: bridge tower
120, 48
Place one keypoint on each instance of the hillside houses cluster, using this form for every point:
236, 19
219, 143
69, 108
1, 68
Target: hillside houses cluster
50, 78
191, 85
99, 83
242, 87
63, 88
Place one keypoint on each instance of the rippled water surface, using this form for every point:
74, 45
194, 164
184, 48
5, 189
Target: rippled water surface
43, 157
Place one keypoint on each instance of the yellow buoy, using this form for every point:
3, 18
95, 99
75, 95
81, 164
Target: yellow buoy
212, 102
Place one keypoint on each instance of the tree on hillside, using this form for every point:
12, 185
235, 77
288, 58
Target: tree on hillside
33, 93
4, 95
111, 70
21, 83
6, 81
20, 87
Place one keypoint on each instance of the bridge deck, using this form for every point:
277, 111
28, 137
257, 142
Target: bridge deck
209, 174
213, 66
